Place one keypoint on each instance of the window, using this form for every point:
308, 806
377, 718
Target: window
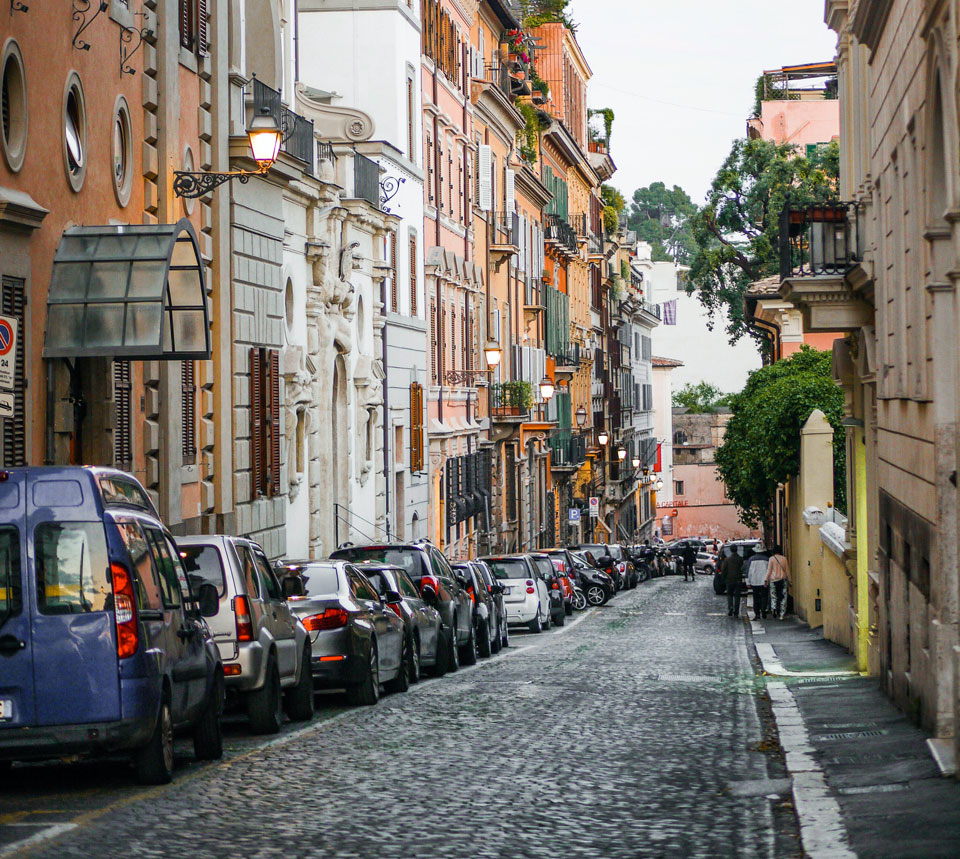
265, 421
416, 427
679, 438
123, 416
268, 581
120, 492
289, 304
360, 588
678, 487
11, 586
188, 393
14, 449
434, 345
204, 563
13, 107
72, 568
168, 567
250, 575
74, 133
406, 587
193, 26
122, 153
413, 273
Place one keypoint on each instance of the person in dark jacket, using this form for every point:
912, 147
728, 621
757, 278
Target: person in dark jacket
732, 570
689, 555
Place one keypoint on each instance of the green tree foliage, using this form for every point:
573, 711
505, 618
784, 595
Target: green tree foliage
660, 216
761, 448
737, 231
614, 209
702, 398
533, 13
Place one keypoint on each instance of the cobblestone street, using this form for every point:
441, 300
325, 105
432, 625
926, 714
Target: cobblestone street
635, 732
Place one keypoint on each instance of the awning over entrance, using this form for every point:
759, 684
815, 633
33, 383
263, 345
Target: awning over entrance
128, 292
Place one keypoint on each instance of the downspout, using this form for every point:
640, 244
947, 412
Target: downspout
296, 43
387, 460
436, 173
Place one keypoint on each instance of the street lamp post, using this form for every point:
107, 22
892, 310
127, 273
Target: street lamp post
492, 355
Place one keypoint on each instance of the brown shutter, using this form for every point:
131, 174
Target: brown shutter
434, 346
188, 396
416, 427
394, 284
123, 416
256, 423
413, 275
12, 302
274, 417
468, 337
411, 136
202, 43
464, 343
186, 24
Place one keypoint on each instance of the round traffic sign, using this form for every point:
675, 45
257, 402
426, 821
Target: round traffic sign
6, 337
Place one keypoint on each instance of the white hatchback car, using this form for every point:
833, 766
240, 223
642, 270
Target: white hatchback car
525, 595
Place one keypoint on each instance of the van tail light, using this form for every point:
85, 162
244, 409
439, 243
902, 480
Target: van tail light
473, 596
241, 608
555, 586
125, 611
332, 618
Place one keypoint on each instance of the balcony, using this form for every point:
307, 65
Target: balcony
561, 233
567, 451
297, 138
510, 402
366, 180
505, 237
567, 364
650, 308
822, 268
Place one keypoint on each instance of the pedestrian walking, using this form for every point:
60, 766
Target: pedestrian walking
732, 570
689, 555
778, 575
757, 582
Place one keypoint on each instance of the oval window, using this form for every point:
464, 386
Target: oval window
122, 152
13, 107
74, 133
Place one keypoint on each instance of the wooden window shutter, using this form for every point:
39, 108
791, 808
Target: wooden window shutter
188, 398
394, 284
274, 419
256, 423
434, 346
416, 427
413, 275
453, 336
468, 338
12, 303
464, 343
186, 24
123, 416
202, 43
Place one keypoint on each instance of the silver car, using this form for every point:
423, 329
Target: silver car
358, 640
264, 648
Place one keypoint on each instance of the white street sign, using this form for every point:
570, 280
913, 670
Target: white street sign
594, 507
6, 405
8, 352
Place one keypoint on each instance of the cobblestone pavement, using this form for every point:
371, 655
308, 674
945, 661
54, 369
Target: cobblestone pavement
639, 731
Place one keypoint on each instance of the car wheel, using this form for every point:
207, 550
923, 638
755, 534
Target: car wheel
415, 661
505, 640
536, 625
441, 655
559, 619
596, 595
497, 644
265, 705
154, 761
453, 652
484, 646
208, 732
401, 682
579, 600
469, 654
568, 608
299, 700
367, 691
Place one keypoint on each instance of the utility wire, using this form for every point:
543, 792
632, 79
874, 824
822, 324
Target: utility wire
667, 103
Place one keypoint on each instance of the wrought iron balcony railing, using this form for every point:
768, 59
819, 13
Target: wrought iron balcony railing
567, 450
568, 357
296, 131
819, 239
366, 179
560, 231
510, 399
651, 308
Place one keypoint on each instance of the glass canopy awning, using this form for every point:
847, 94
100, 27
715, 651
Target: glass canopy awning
128, 292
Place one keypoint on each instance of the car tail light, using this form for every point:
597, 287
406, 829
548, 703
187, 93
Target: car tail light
332, 618
232, 670
473, 596
555, 586
530, 589
241, 608
125, 611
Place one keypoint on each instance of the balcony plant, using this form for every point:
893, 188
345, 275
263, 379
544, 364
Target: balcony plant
518, 395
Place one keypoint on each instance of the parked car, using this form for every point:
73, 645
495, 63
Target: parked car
622, 571
525, 592
496, 591
706, 563
745, 547
551, 577
597, 585
431, 572
264, 647
103, 644
357, 640
423, 624
484, 611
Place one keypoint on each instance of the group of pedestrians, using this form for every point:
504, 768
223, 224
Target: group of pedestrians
760, 579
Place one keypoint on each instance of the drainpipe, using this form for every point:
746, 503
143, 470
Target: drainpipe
296, 44
436, 173
387, 460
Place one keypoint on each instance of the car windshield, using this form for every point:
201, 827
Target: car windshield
205, 563
508, 568
545, 566
408, 560
319, 580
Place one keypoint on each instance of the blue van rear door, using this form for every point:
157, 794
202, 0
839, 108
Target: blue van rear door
17, 705
75, 665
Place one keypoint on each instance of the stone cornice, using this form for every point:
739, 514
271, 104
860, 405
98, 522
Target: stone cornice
19, 211
332, 122
869, 19
495, 109
529, 185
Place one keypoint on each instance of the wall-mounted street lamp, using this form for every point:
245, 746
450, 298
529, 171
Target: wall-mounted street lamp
491, 354
546, 388
636, 462
603, 438
621, 453
265, 138
581, 417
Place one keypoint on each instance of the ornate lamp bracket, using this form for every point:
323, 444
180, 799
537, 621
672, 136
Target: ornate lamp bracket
191, 185
389, 186
127, 37
17, 6
80, 10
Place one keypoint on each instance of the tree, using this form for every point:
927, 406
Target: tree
533, 13
702, 398
761, 448
660, 216
614, 208
737, 231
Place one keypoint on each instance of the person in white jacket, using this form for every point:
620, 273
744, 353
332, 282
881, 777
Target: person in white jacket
757, 581
778, 574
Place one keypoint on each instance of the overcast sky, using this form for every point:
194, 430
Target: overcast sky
679, 75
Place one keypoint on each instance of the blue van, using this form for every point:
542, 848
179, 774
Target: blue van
103, 645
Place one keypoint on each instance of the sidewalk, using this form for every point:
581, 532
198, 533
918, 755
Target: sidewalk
864, 781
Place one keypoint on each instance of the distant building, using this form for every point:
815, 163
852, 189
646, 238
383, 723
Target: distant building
798, 105
663, 370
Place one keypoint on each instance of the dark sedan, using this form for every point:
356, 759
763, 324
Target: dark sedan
496, 591
424, 628
357, 640
484, 610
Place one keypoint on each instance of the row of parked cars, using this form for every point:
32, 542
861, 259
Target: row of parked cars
115, 636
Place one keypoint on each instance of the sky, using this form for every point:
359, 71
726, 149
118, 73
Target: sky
680, 74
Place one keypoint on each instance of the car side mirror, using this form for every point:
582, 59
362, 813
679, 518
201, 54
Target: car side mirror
293, 587
429, 595
392, 598
208, 599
